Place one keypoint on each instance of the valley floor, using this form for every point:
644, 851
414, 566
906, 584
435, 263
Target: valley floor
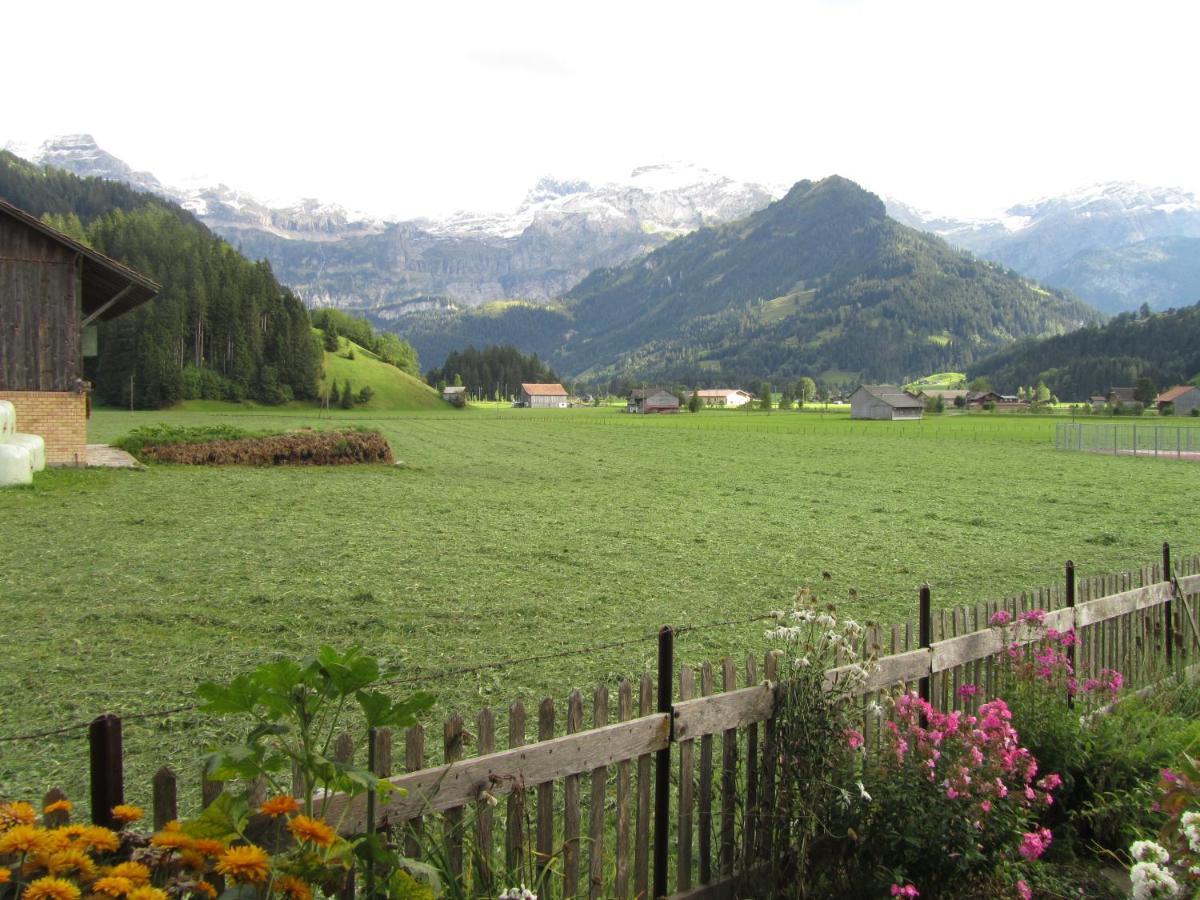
510, 534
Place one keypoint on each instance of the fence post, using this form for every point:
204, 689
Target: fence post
108, 780
662, 761
1170, 607
1071, 649
925, 635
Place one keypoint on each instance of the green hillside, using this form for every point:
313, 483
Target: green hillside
819, 280
394, 390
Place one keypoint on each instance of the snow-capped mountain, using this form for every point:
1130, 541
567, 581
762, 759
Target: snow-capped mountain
1075, 240
561, 231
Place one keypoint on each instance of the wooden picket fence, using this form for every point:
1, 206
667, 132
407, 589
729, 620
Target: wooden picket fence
668, 799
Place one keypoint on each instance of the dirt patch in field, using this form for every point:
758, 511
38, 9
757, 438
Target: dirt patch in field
302, 448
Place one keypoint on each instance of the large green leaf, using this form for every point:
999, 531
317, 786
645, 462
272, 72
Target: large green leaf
224, 819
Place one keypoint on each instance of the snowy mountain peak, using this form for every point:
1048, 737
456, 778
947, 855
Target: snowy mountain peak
80, 154
1109, 198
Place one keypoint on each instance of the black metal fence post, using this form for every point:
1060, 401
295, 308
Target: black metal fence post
925, 635
1070, 571
1170, 607
662, 760
108, 779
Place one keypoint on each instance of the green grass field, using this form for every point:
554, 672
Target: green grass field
393, 389
515, 533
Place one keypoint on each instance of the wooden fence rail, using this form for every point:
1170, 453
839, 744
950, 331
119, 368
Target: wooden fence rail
582, 811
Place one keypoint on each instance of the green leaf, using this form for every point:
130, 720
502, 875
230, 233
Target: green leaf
242, 695
224, 819
381, 712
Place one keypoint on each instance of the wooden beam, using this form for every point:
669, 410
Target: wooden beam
448, 786
721, 712
1126, 602
101, 310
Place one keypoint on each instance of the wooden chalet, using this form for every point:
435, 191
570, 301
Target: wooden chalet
53, 291
1182, 399
545, 396
884, 401
652, 400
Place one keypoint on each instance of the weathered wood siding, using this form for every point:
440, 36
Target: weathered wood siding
40, 311
544, 401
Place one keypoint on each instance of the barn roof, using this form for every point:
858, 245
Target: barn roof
722, 392
1174, 393
109, 288
543, 390
893, 396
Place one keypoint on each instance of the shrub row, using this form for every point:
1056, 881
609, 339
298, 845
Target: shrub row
299, 448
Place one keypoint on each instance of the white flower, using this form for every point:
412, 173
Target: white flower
801, 663
521, 893
1152, 880
825, 620
862, 793
874, 709
1148, 851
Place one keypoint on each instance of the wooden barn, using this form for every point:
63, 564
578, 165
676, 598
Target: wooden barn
545, 396
53, 290
652, 400
884, 401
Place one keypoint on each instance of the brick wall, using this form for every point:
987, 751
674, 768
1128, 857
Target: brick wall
60, 419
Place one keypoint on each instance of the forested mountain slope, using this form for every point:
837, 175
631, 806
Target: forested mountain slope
221, 328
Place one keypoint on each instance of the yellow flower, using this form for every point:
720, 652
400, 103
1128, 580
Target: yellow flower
279, 805
73, 860
173, 825
146, 893
190, 859
203, 887
124, 813
208, 846
51, 889
113, 886
171, 840
17, 812
306, 829
293, 887
245, 864
136, 872
58, 806
71, 831
5, 875
96, 837
25, 839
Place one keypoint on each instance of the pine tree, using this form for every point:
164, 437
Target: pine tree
347, 395
335, 396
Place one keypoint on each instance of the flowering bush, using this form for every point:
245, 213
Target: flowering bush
1171, 866
954, 797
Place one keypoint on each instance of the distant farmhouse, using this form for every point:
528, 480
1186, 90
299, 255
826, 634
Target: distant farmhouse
723, 397
454, 394
948, 398
53, 290
884, 401
652, 400
1183, 398
543, 396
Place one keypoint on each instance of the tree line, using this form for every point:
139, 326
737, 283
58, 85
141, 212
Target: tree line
496, 371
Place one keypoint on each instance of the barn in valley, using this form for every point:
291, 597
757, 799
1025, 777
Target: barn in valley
53, 290
652, 400
543, 395
884, 401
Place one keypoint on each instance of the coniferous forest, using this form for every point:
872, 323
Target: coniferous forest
498, 369
221, 328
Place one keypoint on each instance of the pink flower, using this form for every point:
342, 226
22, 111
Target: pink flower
1050, 782
1034, 617
854, 739
1001, 618
1023, 890
986, 806
968, 690
907, 891
1034, 843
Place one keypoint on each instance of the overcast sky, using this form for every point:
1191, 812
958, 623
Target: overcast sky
410, 109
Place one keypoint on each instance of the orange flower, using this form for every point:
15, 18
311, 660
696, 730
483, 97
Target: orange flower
146, 893
136, 872
306, 829
5, 875
124, 813
73, 860
247, 864
190, 859
51, 889
113, 886
208, 846
203, 887
25, 839
97, 837
293, 887
58, 806
17, 812
279, 805
171, 840
71, 831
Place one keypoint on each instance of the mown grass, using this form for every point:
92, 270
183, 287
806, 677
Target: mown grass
510, 534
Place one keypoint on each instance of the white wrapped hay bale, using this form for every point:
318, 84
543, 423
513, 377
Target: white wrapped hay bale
15, 465
36, 447
8, 420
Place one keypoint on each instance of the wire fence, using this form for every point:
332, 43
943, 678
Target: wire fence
1171, 441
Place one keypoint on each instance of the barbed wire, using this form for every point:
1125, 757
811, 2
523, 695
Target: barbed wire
412, 677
